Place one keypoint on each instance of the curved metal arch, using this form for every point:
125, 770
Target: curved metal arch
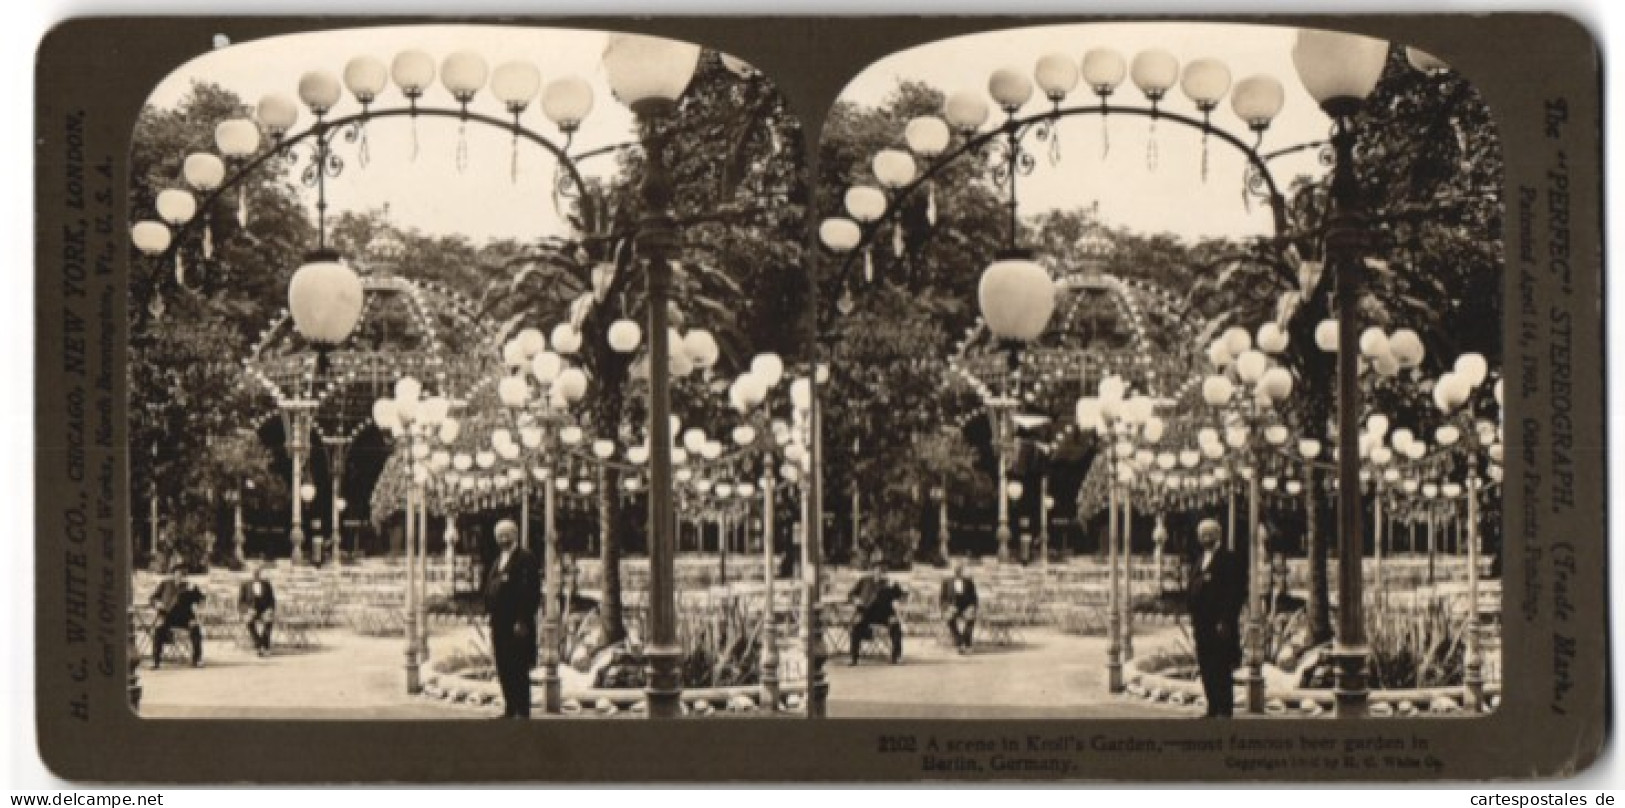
324, 130
1017, 128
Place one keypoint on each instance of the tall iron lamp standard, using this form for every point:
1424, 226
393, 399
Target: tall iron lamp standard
1340, 71
325, 298
412, 420
649, 75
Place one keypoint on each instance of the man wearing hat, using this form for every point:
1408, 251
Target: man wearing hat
512, 594
874, 602
1217, 590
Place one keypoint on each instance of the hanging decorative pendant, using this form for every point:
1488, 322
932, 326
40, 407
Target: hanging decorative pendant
897, 240
462, 146
513, 160
364, 149
242, 207
846, 304
208, 242
931, 203
1105, 138
1204, 157
156, 307
1151, 147
868, 265
1055, 146
414, 138
180, 270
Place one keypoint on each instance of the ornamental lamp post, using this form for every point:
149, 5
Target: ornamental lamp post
324, 298
1339, 71
1046, 503
1116, 418
649, 75
1453, 393
748, 394
410, 418
1259, 384
340, 505
337, 449
804, 449
939, 495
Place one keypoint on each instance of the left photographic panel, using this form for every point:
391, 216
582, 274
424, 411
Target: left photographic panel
464, 371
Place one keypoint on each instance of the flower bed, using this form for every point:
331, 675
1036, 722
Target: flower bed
471, 681
1171, 679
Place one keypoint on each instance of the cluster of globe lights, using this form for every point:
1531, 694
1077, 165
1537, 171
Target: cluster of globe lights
1116, 411
1246, 358
756, 433
325, 293
421, 421
528, 357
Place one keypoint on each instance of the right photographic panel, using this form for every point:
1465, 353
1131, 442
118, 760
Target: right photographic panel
1164, 378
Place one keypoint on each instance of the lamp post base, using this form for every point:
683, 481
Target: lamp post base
770, 657
552, 690
1004, 536
770, 686
1114, 674
414, 684
1473, 684
1252, 679
297, 538
552, 687
1351, 690
818, 698
665, 689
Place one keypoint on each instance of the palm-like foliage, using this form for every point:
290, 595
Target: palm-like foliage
732, 156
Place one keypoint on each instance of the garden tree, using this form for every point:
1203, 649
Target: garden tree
885, 389
731, 149
1430, 169
238, 462
941, 459
190, 325
187, 392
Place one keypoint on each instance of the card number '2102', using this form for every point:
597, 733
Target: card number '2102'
897, 743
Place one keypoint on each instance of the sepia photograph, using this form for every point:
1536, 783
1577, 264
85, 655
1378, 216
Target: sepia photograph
462, 368
1165, 377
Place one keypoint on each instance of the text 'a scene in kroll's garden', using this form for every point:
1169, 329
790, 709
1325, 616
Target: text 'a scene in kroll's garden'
1088, 430
467, 380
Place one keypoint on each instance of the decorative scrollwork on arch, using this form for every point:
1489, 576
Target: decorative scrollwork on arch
324, 164
1007, 160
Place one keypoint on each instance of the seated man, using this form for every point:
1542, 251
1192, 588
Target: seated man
876, 601
176, 602
257, 601
958, 603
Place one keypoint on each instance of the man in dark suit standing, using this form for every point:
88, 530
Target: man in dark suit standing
513, 592
1217, 590
257, 600
875, 604
958, 603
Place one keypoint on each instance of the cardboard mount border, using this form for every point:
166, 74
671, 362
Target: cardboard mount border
1518, 61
